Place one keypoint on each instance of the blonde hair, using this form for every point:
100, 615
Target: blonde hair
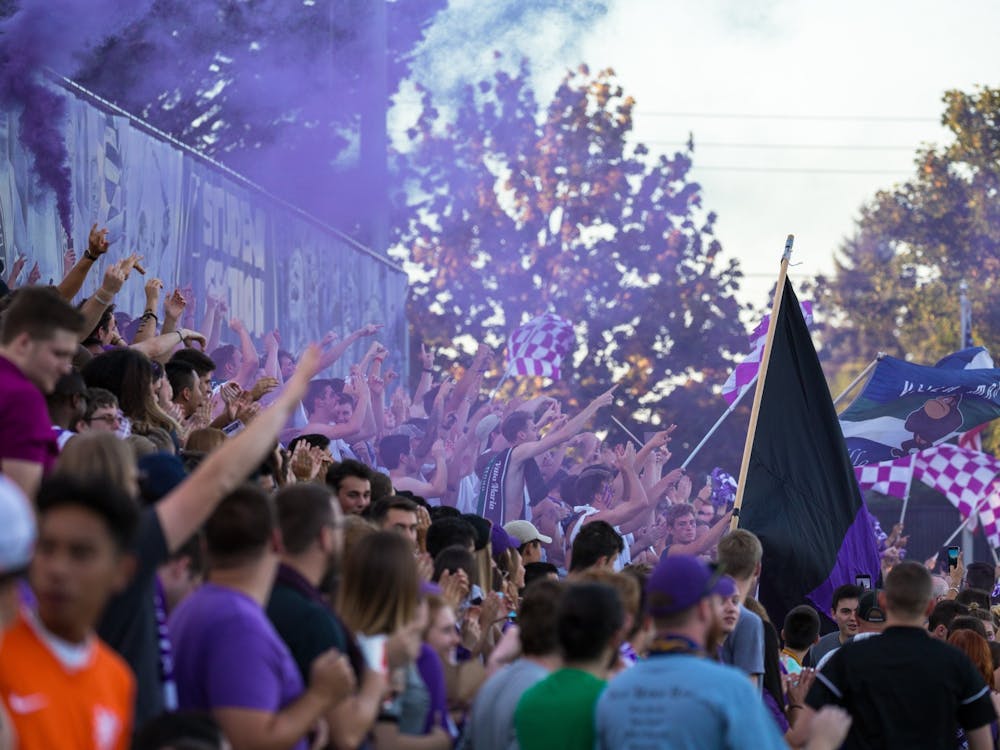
379, 585
100, 455
205, 440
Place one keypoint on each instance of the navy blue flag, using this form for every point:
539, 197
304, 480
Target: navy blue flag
801, 497
905, 408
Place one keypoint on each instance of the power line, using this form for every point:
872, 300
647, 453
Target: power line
408, 102
795, 170
789, 146
787, 116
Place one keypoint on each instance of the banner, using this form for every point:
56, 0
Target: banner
198, 225
905, 408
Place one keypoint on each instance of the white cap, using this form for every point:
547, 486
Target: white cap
17, 528
525, 531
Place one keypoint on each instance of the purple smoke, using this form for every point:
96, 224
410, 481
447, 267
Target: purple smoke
49, 35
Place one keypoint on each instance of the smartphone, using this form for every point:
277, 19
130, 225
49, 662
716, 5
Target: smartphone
864, 582
233, 428
952, 557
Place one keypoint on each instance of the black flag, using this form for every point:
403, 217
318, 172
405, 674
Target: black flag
801, 497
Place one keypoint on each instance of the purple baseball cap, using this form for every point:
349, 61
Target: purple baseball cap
679, 582
502, 541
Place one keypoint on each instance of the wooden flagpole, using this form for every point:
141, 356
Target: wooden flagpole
761, 379
861, 376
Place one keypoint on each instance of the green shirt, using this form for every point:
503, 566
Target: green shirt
558, 712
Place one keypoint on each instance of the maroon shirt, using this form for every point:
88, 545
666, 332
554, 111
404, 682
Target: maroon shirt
26, 432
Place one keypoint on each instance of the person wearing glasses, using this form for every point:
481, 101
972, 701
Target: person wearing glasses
102, 414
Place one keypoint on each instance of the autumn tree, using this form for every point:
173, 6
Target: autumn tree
509, 209
897, 281
917, 241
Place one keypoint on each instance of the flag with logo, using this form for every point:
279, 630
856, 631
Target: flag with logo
800, 497
538, 346
905, 408
746, 371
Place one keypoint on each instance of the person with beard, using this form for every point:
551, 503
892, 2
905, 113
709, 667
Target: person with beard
310, 520
677, 697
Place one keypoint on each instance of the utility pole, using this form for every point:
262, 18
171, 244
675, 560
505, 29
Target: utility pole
965, 312
374, 166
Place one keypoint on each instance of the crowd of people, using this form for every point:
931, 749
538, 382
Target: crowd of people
207, 545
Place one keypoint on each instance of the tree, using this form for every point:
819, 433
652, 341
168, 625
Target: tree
510, 210
916, 242
896, 284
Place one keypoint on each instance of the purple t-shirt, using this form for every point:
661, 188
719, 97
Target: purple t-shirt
25, 428
228, 655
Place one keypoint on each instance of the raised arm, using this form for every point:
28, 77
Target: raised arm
173, 311
424, 384
703, 545
72, 283
251, 361
185, 509
634, 499
337, 350
147, 329
162, 345
346, 430
563, 433
272, 343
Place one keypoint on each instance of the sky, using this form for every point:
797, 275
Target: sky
864, 80
800, 111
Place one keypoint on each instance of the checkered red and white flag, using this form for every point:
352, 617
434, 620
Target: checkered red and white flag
538, 346
889, 477
964, 477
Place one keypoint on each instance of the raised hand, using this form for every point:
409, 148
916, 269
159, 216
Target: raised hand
35, 275
426, 358
153, 287
370, 329
303, 463
330, 338
97, 242
174, 304
605, 399
134, 261
272, 340
262, 387
69, 260
16, 268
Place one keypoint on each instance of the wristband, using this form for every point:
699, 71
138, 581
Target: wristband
795, 705
180, 336
88, 256
101, 299
430, 371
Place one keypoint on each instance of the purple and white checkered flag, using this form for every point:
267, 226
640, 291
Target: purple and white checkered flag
889, 477
989, 517
538, 346
744, 373
964, 477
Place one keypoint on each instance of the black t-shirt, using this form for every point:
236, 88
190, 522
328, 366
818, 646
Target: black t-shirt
128, 624
903, 689
306, 625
